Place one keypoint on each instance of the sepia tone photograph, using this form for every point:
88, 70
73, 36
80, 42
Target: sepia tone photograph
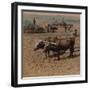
51, 43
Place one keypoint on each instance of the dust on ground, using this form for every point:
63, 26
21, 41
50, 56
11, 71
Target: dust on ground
35, 63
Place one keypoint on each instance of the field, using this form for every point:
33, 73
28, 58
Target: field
35, 63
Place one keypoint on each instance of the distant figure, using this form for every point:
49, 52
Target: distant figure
70, 27
75, 32
48, 28
34, 21
55, 39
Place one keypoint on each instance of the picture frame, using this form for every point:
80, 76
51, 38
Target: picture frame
33, 21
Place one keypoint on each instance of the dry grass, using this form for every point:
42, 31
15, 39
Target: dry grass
35, 63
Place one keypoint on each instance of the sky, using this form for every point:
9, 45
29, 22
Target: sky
48, 17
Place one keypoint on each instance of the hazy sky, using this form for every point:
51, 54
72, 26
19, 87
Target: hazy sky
47, 17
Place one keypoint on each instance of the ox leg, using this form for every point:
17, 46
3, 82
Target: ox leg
71, 51
58, 56
47, 54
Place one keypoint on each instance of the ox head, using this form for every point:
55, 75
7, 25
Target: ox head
39, 45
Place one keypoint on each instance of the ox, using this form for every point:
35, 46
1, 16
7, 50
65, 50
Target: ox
57, 48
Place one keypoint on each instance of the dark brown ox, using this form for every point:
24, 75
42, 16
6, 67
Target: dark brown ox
58, 48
